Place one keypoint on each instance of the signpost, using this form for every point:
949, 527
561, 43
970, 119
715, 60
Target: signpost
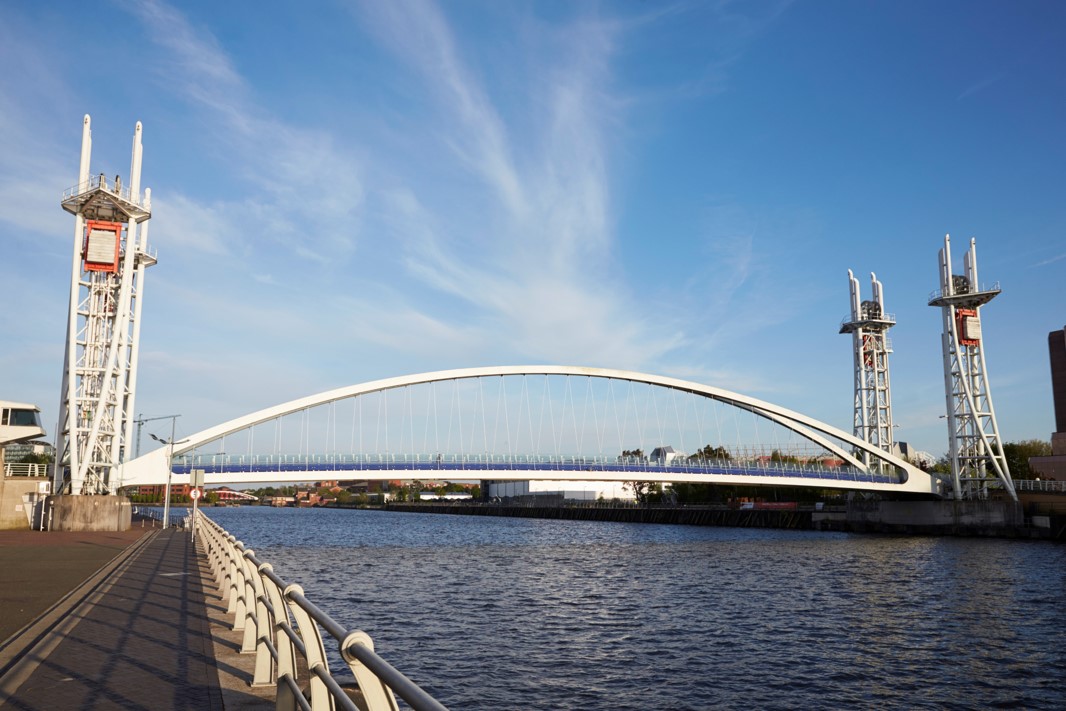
197, 484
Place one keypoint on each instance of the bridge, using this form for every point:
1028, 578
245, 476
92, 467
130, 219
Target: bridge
563, 423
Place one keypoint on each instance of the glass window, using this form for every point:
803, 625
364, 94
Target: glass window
25, 418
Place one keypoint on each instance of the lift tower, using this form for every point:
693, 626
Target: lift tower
103, 323
976, 450
868, 326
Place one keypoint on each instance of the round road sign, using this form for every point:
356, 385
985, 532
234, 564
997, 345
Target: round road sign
194, 494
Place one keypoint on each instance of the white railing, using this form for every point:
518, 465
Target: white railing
264, 607
1053, 487
626, 466
978, 289
101, 181
27, 469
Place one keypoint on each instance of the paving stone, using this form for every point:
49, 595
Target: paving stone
141, 640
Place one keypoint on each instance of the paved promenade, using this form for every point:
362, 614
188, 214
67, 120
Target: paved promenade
136, 635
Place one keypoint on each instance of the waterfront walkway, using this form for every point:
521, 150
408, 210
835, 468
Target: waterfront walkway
144, 632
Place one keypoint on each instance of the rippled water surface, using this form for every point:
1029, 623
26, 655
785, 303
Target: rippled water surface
491, 613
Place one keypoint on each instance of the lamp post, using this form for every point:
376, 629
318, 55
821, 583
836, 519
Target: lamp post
170, 456
141, 419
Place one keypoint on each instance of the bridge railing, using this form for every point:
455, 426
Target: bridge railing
27, 469
265, 607
626, 467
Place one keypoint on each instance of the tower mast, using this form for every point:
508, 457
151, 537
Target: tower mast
868, 326
975, 447
100, 360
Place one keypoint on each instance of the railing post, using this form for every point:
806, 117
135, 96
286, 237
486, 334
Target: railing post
237, 589
314, 651
249, 599
378, 697
230, 583
265, 625
286, 664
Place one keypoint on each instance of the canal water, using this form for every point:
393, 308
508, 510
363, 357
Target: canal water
499, 613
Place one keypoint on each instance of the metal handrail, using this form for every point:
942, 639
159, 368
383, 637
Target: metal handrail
1047, 485
981, 289
265, 607
625, 466
27, 469
100, 181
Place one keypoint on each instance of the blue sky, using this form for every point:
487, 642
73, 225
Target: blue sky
344, 191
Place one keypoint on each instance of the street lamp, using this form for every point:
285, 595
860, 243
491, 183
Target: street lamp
170, 456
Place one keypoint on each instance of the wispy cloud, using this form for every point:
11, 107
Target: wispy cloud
981, 85
33, 173
1050, 260
530, 253
310, 188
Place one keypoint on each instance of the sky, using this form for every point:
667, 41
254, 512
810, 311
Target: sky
344, 191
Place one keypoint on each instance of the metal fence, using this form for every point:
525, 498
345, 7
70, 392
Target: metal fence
27, 469
1049, 486
265, 608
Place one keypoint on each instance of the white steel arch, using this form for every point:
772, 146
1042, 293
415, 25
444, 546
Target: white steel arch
151, 468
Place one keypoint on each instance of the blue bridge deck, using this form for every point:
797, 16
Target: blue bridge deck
486, 464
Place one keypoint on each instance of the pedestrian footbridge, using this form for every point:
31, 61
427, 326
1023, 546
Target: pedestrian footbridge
531, 422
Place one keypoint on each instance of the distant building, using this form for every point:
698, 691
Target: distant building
559, 490
1054, 467
915, 456
157, 490
665, 455
226, 494
15, 452
448, 496
1056, 341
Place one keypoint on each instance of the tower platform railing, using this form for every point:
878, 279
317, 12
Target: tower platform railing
100, 182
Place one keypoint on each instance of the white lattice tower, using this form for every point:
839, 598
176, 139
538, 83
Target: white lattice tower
868, 326
103, 323
975, 447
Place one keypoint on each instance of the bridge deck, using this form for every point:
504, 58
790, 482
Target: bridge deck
486, 467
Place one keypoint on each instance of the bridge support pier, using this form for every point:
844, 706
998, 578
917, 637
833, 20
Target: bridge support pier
67, 512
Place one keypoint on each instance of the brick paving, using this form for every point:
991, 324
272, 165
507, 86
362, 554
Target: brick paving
139, 640
39, 568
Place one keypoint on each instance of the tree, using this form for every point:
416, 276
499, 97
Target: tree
693, 493
645, 491
33, 458
708, 453
634, 453
776, 456
1018, 453
941, 466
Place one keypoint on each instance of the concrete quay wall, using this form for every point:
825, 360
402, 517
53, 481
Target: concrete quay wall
13, 503
1000, 519
88, 513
